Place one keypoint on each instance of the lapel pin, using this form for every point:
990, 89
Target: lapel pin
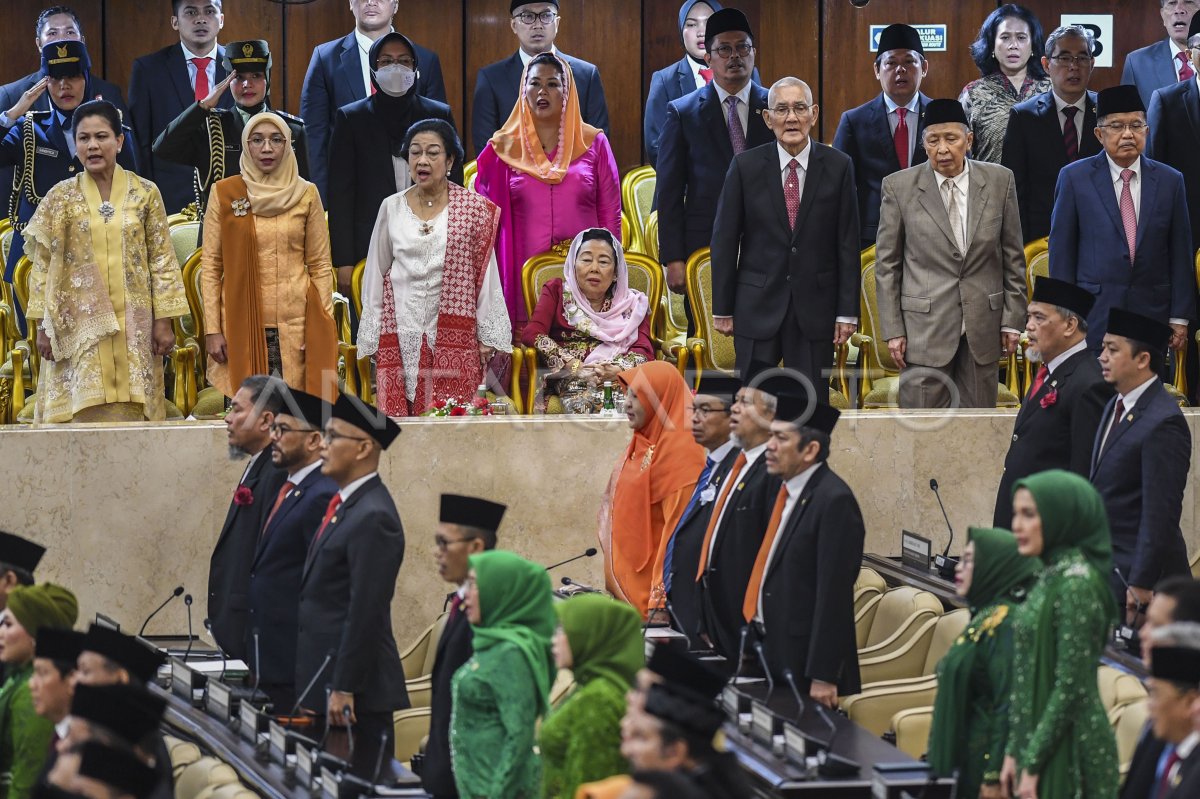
1129, 418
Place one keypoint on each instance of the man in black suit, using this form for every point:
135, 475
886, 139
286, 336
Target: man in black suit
282, 547
248, 421
466, 526
1174, 687
711, 412
1140, 461
346, 645
702, 134
740, 511
785, 258
498, 84
1056, 426
338, 74
165, 83
1166, 61
800, 599
883, 135
54, 24
1052, 129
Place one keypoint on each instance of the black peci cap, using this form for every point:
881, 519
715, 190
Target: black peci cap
725, 21
515, 4
129, 711
940, 112
1151, 332
62, 645
723, 387
1123, 99
471, 512
117, 768
366, 418
797, 409
1066, 295
682, 670
1176, 663
309, 408
126, 651
20, 552
900, 37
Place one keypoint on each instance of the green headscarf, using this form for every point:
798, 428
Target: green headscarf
999, 567
605, 637
516, 607
45, 605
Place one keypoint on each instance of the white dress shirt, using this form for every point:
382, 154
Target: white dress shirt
297, 477
751, 456
357, 484
1135, 184
1081, 104
696, 67
526, 57
250, 465
743, 106
795, 487
1175, 62
1127, 402
911, 119
210, 70
720, 452
1060, 359
962, 184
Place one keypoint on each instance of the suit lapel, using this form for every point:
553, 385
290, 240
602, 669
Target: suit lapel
816, 170
881, 131
1149, 202
788, 533
977, 190
1130, 418
57, 136
1164, 65
757, 131
931, 201
250, 481
684, 78
773, 184
290, 502
336, 522
919, 156
714, 122
1191, 103
177, 70
350, 67
1102, 180
1089, 145
1047, 111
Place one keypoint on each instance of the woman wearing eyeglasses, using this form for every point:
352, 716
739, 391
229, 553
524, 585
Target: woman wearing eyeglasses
266, 276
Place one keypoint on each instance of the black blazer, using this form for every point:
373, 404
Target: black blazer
453, 650
1035, 152
1141, 474
760, 264
1139, 782
808, 588
275, 573
865, 135
1174, 118
362, 176
159, 91
497, 87
229, 565
346, 605
737, 540
693, 157
1187, 782
334, 79
689, 540
1059, 436
667, 84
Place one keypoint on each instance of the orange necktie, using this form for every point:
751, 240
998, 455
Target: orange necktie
750, 601
738, 463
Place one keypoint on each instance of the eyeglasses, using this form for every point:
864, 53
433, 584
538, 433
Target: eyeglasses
703, 411
1064, 60
444, 543
783, 111
388, 61
282, 430
277, 140
528, 17
1117, 128
727, 50
330, 436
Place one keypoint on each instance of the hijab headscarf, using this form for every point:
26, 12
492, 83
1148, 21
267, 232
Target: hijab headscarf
617, 327
517, 607
517, 143
271, 194
999, 568
397, 114
1073, 517
686, 9
605, 637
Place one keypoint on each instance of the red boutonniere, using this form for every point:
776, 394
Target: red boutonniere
243, 496
1049, 398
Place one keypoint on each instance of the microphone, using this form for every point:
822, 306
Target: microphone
177, 592
587, 589
311, 683
944, 563
224, 655
1124, 633
379, 757
587, 553
829, 764
741, 651
762, 661
187, 600
257, 665
346, 714
674, 618
790, 676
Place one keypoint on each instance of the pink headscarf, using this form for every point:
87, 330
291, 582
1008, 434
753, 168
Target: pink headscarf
617, 327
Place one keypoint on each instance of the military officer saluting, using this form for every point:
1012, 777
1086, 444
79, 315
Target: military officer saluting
40, 145
209, 138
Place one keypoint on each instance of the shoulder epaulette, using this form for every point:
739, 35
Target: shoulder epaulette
289, 117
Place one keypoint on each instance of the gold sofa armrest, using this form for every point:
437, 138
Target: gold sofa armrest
866, 346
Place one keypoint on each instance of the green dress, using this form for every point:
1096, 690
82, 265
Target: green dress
1058, 728
24, 736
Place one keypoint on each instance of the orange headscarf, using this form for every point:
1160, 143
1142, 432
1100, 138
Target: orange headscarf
517, 143
662, 459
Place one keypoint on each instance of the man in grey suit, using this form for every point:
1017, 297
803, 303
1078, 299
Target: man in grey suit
1166, 61
950, 269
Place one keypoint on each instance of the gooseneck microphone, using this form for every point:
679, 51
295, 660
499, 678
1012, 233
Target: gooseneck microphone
257, 665
944, 563
187, 600
762, 661
224, 655
741, 652
1124, 632
829, 764
587, 589
674, 618
379, 758
790, 676
177, 592
587, 553
308, 688
346, 715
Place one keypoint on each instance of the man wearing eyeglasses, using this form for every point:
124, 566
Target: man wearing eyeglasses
535, 26
1050, 130
1120, 225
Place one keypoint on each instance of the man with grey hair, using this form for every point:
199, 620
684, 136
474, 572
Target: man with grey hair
1052, 129
1166, 61
950, 269
1056, 426
785, 258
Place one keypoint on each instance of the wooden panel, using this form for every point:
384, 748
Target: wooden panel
18, 49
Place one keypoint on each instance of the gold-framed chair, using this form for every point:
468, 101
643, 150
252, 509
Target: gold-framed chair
713, 350
11, 332
626, 232
637, 200
1180, 383
188, 358
356, 370
1037, 264
650, 235
645, 275
470, 172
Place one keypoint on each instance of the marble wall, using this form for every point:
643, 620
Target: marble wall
128, 513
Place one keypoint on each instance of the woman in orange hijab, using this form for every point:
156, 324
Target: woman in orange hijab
650, 487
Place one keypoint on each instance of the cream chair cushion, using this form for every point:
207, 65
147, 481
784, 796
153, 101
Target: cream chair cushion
1127, 727
419, 657
205, 772
874, 708
901, 613
912, 730
411, 727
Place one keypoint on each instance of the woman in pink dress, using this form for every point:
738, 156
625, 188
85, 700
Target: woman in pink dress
551, 175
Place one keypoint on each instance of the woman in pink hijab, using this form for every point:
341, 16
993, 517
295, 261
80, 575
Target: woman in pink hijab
588, 325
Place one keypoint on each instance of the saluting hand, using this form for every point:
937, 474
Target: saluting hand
28, 98
214, 97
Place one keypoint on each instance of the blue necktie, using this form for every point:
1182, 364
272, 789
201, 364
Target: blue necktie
701, 484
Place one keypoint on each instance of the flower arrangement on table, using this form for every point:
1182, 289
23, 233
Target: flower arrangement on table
476, 406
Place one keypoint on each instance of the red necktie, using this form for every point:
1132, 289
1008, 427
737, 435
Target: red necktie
202, 88
1042, 374
329, 512
1071, 133
900, 138
455, 607
1118, 412
1164, 785
738, 463
1128, 215
1185, 67
706, 74
283, 492
791, 192
750, 601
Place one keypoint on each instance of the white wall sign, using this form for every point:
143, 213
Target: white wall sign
1101, 26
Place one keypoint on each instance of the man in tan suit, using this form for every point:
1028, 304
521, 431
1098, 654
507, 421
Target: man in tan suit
950, 269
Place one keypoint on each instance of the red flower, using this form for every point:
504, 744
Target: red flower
439, 404
479, 402
458, 410
243, 496
1049, 398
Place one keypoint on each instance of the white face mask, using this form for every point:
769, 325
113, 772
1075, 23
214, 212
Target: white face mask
395, 79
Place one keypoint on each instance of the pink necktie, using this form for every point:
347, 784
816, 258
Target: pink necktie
791, 192
901, 138
202, 88
1128, 216
1185, 67
737, 136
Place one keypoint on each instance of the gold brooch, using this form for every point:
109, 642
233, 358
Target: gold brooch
647, 458
241, 206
